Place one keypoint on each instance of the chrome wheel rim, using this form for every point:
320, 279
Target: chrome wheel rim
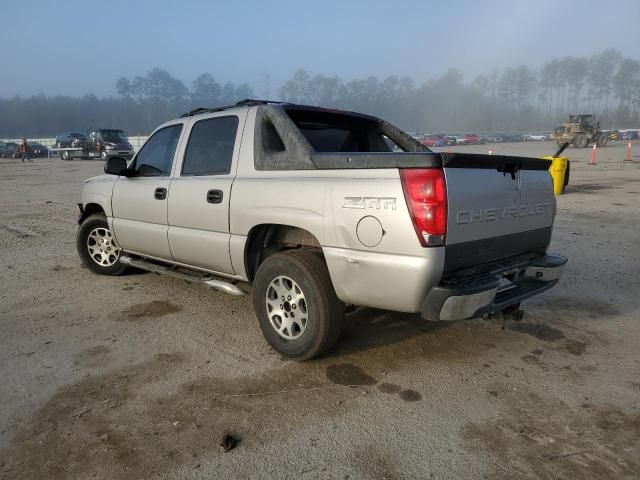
287, 307
101, 247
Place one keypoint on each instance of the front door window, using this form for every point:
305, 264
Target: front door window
156, 156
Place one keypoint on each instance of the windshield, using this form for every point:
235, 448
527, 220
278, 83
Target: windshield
113, 136
76, 135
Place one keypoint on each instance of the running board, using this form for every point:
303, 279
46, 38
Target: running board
216, 284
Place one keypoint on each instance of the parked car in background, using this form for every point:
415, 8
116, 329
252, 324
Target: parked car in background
36, 149
472, 139
494, 139
70, 139
459, 140
434, 141
448, 141
628, 135
427, 141
12, 150
534, 137
513, 137
9, 150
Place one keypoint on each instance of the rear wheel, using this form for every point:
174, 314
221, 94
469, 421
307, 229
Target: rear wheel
581, 141
297, 308
97, 248
66, 155
603, 140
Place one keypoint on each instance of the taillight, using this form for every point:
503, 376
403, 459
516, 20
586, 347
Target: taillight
425, 191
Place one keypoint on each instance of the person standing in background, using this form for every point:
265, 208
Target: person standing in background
24, 150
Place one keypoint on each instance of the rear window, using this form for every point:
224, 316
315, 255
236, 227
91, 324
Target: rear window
329, 131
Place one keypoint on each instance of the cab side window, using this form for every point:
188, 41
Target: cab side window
156, 156
210, 147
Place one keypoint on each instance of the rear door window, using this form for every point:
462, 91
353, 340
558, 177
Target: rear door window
210, 147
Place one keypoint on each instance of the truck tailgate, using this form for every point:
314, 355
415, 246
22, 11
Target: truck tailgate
498, 207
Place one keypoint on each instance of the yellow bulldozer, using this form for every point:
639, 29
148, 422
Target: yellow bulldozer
580, 131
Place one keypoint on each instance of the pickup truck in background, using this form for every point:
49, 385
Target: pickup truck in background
107, 142
97, 143
318, 209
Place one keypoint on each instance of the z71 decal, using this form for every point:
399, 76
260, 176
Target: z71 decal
386, 203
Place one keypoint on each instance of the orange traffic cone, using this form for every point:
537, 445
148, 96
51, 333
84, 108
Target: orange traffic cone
593, 155
628, 158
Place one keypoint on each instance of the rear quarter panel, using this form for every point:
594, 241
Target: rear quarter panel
395, 273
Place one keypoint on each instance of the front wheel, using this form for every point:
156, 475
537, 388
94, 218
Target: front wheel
97, 248
582, 141
103, 155
297, 308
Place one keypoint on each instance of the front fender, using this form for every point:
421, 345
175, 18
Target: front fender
96, 192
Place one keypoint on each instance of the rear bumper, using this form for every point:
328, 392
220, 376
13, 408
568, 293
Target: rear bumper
468, 298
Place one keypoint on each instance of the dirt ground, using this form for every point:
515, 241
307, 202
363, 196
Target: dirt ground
141, 376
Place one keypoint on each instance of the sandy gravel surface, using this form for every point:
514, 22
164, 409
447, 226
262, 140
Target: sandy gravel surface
141, 376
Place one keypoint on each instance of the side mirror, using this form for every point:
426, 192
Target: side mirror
116, 166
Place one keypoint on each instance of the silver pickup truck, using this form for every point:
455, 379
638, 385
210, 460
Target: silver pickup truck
319, 209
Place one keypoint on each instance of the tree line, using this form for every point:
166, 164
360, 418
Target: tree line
141, 105
513, 99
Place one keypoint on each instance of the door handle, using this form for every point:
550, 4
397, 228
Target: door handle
214, 196
160, 193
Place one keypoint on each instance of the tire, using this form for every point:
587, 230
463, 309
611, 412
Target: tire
303, 273
581, 141
103, 155
604, 139
99, 259
65, 155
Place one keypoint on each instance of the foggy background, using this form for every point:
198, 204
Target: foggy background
425, 66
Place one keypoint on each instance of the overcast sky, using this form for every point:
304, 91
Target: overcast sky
77, 47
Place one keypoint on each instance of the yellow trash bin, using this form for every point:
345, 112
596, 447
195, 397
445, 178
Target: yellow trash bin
557, 170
